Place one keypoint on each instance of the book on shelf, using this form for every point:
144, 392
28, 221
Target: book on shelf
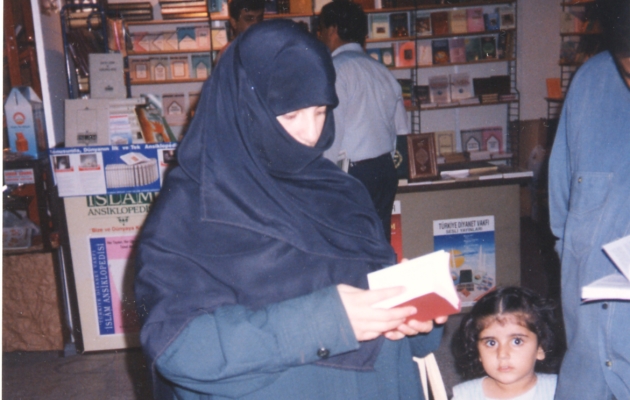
488, 47
472, 139
401, 157
508, 97
183, 9
569, 51
421, 95
379, 26
405, 54
614, 286
387, 54
505, 45
554, 88
444, 142
473, 49
469, 101
567, 22
375, 53
457, 50
428, 283
507, 19
492, 139
474, 20
491, 21
439, 23
458, 22
423, 24
424, 53
439, 89
399, 24
441, 53
406, 85
461, 86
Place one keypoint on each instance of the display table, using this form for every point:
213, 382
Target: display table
459, 200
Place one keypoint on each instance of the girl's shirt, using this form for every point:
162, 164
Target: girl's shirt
544, 389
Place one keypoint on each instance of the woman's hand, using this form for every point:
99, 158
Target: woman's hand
369, 322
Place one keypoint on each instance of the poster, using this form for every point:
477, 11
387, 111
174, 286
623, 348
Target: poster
470, 241
103, 231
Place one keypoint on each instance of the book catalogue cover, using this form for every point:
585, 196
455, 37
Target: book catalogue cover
428, 285
471, 245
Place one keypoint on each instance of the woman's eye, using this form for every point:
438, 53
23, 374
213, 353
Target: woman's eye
321, 111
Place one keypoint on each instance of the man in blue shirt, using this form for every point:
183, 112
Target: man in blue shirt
370, 112
589, 200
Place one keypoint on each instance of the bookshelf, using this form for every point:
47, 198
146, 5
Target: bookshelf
503, 111
581, 38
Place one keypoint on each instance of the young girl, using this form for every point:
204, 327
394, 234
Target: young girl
506, 339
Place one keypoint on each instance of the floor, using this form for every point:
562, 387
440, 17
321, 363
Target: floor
123, 375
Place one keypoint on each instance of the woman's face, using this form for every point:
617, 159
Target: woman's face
304, 125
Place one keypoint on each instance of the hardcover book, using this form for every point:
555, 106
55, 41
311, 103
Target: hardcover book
439, 23
423, 25
380, 26
457, 50
554, 89
445, 142
461, 86
425, 53
492, 139
491, 21
375, 53
405, 54
506, 18
473, 49
458, 21
406, 86
474, 20
421, 95
428, 283
441, 54
439, 89
399, 24
186, 38
401, 157
472, 139
179, 67
388, 56
488, 47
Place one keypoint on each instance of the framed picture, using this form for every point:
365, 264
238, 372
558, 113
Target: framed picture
422, 157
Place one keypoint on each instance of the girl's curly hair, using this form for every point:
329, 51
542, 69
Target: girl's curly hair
532, 311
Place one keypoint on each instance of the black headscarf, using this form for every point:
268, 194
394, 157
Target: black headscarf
251, 216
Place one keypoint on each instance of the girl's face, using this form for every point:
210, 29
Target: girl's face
304, 125
508, 352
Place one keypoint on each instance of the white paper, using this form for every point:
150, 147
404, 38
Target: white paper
619, 253
420, 276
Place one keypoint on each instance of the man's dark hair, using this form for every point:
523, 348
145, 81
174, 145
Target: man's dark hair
348, 17
236, 6
614, 16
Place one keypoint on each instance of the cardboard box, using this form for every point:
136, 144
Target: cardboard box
26, 125
107, 76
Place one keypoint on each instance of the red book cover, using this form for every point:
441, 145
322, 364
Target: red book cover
396, 238
428, 283
439, 23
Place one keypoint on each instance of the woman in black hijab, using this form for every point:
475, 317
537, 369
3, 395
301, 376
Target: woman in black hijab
252, 264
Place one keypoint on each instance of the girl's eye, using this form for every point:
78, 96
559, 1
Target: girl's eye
491, 342
518, 341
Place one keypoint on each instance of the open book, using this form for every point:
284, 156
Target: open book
428, 282
614, 286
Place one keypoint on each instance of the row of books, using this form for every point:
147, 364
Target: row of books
411, 54
578, 51
471, 20
156, 69
183, 38
182, 9
457, 88
380, 4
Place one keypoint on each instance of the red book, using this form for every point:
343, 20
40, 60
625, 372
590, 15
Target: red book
396, 232
428, 283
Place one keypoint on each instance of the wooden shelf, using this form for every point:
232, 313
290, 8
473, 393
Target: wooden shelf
577, 3
171, 21
441, 6
457, 105
580, 34
492, 60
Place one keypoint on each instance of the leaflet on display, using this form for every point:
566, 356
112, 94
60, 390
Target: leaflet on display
95, 170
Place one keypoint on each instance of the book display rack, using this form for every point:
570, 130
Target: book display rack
457, 66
